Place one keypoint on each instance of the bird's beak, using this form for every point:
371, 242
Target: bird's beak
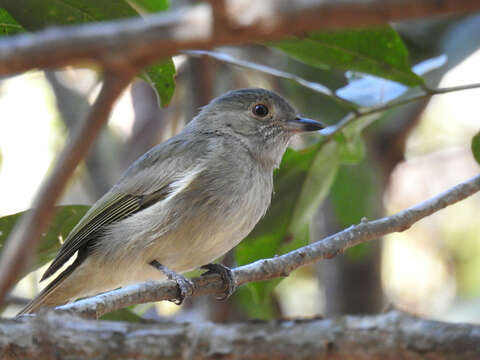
301, 124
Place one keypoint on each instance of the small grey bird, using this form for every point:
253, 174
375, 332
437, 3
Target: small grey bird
184, 203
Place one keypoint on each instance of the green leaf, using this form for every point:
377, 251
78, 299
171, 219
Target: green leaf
352, 151
161, 78
378, 51
353, 196
352, 193
301, 183
476, 147
150, 6
65, 219
316, 184
125, 314
8, 25
34, 15
352, 145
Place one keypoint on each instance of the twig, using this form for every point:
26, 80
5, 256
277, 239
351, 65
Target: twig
23, 239
389, 336
314, 86
355, 115
281, 265
142, 42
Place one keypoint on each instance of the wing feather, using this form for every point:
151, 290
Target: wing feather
113, 208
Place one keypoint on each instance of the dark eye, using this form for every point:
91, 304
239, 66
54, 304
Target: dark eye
260, 110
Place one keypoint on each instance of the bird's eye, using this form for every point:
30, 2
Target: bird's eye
260, 110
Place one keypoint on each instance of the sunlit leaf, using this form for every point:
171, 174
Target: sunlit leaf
161, 78
378, 51
350, 139
8, 25
65, 219
150, 6
368, 90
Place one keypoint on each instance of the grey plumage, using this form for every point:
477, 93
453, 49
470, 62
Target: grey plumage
184, 203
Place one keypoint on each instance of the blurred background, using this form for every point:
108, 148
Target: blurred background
413, 152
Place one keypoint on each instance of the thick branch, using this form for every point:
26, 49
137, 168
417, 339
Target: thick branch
281, 265
23, 239
389, 336
140, 42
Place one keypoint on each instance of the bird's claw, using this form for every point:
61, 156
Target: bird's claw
185, 288
184, 285
227, 276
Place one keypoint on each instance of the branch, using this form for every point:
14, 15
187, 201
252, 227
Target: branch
139, 42
392, 335
314, 86
278, 266
27, 232
355, 115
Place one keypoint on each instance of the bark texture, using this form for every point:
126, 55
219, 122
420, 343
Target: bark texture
392, 335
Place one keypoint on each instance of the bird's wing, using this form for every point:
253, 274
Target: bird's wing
113, 207
146, 182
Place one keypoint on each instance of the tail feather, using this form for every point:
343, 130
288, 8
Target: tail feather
47, 296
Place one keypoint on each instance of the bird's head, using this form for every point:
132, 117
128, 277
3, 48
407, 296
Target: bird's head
260, 119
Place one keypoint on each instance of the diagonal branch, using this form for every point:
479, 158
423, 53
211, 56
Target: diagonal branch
281, 265
26, 234
141, 42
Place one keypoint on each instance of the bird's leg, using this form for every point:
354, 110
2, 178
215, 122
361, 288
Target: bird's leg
185, 286
227, 276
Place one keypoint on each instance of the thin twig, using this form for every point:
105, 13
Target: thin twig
27, 232
281, 265
314, 86
354, 116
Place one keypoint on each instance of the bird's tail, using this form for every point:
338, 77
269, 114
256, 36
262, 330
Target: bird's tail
51, 296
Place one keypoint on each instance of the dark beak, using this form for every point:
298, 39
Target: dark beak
301, 124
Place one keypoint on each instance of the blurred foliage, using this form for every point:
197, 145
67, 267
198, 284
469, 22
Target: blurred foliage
476, 147
149, 6
8, 25
125, 314
352, 198
65, 219
377, 51
20, 15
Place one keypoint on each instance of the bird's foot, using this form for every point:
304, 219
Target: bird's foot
227, 276
185, 286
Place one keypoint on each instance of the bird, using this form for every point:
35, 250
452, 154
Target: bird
181, 205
